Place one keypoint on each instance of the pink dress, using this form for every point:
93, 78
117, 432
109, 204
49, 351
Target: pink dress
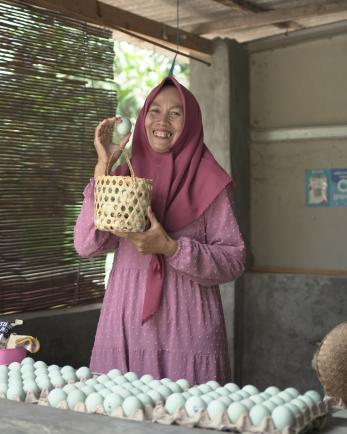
186, 337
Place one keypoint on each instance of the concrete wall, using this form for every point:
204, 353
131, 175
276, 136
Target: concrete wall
298, 86
222, 92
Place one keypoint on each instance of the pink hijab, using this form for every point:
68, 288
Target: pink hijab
186, 180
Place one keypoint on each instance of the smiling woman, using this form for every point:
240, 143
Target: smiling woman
162, 312
164, 120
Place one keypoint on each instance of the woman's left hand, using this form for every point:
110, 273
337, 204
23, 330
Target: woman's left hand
153, 241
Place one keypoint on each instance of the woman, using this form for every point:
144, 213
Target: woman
162, 313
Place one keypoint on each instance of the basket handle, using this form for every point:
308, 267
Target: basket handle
109, 164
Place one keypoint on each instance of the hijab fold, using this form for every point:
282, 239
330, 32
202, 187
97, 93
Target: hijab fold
186, 180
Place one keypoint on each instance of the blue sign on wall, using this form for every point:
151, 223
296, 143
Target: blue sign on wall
338, 187
326, 187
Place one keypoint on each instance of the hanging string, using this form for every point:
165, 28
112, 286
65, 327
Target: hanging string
177, 37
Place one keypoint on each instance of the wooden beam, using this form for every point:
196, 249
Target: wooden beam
269, 18
96, 12
246, 7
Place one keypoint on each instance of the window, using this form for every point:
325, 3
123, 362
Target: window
56, 83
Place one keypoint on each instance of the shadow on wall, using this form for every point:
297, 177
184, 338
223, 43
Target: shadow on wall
66, 336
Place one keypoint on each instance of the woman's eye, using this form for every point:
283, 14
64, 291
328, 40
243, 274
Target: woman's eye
175, 113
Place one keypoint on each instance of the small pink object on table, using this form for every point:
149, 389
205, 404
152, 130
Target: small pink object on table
9, 355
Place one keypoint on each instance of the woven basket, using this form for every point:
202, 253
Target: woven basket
121, 202
331, 362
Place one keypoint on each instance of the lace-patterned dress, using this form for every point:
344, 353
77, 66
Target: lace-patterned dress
186, 337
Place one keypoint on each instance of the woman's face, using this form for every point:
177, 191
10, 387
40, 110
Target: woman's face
164, 120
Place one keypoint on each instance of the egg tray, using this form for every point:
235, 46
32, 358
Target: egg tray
314, 419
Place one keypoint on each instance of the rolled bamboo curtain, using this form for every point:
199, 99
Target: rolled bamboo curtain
56, 83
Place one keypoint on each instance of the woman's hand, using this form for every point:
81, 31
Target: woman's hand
153, 241
108, 152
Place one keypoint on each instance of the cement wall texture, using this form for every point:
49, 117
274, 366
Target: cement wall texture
285, 316
297, 86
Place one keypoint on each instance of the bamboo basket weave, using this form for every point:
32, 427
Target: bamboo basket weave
121, 202
331, 362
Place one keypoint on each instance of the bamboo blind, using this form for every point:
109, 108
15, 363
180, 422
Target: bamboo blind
54, 74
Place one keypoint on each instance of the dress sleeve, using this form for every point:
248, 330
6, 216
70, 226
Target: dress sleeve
221, 257
88, 240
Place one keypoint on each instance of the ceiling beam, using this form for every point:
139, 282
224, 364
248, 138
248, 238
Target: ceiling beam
246, 7
96, 12
270, 17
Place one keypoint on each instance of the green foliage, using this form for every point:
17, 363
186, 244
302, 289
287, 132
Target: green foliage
137, 71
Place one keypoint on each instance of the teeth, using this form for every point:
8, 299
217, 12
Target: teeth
163, 134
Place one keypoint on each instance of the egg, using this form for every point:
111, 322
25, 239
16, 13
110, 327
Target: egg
293, 408
154, 384
28, 376
56, 396
134, 390
138, 383
44, 383
83, 373
120, 379
307, 399
114, 373
215, 409
193, 405
93, 401
91, 382
300, 404
314, 395
32, 387
232, 387
249, 403
131, 376
272, 390
145, 399
164, 391
206, 398
292, 391
285, 396
124, 127
145, 388
130, 405
244, 394
111, 402
265, 395
204, 388
87, 390
213, 384
27, 368
183, 383
269, 404
277, 400
74, 397
28, 361
282, 417
124, 393
222, 391
174, 387
51, 368
70, 376
252, 390
15, 392
226, 399
14, 374
127, 386
102, 378
58, 381
98, 386
109, 384
258, 413
3, 387
14, 366
146, 378
213, 395
104, 392
165, 380
195, 391
79, 384
156, 396
174, 401
69, 388
236, 397
235, 410
40, 364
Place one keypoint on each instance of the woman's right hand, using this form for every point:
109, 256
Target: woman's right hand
105, 149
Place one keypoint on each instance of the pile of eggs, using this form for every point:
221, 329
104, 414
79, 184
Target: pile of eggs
107, 392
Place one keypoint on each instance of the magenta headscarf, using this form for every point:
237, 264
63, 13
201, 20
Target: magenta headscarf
185, 180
